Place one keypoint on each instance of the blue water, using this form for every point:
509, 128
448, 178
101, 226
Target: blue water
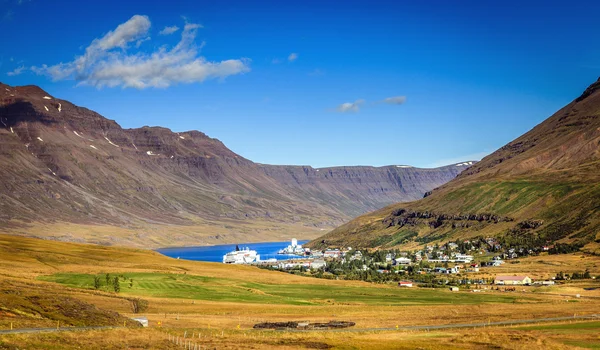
266, 250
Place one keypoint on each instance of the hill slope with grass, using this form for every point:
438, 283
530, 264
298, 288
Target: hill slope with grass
46, 284
67, 172
541, 189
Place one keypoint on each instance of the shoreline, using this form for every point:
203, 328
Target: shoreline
226, 244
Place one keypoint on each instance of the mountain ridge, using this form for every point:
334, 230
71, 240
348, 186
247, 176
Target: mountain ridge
65, 164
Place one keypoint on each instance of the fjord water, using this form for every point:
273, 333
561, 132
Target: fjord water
266, 250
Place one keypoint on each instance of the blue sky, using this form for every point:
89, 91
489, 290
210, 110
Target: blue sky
318, 83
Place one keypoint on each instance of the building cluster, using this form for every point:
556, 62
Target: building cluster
445, 265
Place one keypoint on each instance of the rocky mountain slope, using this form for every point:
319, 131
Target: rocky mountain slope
539, 189
68, 173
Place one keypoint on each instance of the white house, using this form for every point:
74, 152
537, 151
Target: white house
317, 264
402, 261
332, 253
512, 280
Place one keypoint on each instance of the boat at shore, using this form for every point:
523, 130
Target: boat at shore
241, 256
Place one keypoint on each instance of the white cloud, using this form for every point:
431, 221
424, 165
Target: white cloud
350, 106
169, 30
17, 71
276, 61
141, 41
107, 62
292, 57
126, 32
396, 100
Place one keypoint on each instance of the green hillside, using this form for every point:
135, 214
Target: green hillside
539, 190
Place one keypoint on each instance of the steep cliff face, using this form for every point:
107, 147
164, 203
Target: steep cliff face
549, 176
64, 163
354, 190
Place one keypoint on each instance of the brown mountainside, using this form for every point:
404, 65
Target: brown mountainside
67, 171
540, 189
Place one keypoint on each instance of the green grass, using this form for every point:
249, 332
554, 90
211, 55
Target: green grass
230, 290
506, 197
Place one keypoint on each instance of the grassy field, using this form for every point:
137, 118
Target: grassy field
230, 290
53, 281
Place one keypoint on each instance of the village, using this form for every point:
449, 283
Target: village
467, 264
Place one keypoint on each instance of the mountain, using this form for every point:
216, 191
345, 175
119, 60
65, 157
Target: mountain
541, 189
70, 174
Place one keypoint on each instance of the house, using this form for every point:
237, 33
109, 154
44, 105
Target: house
463, 258
454, 289
407, 284
544, 283
142, 320
317, 254
497, 263
512, 280
402, 261
317, 264
332, 253
356, 256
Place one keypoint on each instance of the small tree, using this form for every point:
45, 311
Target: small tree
107, 279
138, 305
116, 284
96, 282
130, 282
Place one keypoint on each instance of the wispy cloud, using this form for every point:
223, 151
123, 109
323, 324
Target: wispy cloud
107, 61
396, 100
141, 41
16, 71
292, 57
169, 30
350, 106
316, 73
276, 61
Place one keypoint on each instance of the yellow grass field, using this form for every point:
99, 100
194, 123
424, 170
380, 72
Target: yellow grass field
198, 302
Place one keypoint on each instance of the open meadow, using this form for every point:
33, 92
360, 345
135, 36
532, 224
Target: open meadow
48, 283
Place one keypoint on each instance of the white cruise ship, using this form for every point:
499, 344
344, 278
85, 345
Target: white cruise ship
243, 256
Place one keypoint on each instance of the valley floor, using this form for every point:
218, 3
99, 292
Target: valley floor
48, 284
